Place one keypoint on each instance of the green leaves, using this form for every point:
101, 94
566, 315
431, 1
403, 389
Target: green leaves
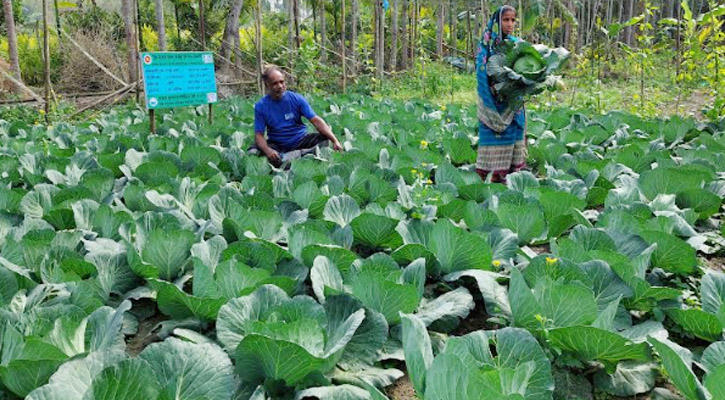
701, 324
589, 343
188, 370
550, 304
672, 254
166, 251
262, 326
418, 351
457, 249
341, 210
375, 231
186, 224
32, 367
679, 373
519, 369
713, 291
526, 220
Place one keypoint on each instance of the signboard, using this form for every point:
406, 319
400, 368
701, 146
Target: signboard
178, 79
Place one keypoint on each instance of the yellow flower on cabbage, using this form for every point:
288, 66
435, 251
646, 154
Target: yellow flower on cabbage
424, 144
496, 263
551, 260
443, 107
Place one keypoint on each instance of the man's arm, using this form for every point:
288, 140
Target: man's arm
261, 143
325, 131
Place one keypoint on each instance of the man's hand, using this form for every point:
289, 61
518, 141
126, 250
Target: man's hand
325, 131
337, 146
273, 156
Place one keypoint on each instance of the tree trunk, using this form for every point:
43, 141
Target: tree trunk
258, 44
296, 10
127, 11
629, 34
610, 4
376, 31
291, 31
453, 39
379, 39
314, 19
571, 29
469, 30
406, 38
12, 42
323, 31
46, 60
439, 28
354, 5
343, 57
394, 35
231, 30
416, 40
177, 21
161, 28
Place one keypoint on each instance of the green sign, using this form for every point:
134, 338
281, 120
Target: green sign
178, 79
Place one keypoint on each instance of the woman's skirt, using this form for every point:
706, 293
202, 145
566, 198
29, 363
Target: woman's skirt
500, 153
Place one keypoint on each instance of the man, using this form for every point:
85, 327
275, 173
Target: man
280, 113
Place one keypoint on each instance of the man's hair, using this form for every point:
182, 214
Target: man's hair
268, 71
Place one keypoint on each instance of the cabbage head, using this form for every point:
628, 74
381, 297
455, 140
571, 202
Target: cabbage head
521, 69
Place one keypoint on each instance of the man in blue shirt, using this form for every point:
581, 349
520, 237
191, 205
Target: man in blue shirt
280, 113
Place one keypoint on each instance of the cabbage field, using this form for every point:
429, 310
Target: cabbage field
174, 266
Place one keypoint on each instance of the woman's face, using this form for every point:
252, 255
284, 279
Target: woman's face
508, 22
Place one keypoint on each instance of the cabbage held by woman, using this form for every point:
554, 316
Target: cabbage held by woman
521, 69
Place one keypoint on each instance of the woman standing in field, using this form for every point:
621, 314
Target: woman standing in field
501, 139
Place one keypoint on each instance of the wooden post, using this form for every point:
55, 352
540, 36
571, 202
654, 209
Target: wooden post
258, 39
202, 25
46, 51
152, 120
211, 113
342, 48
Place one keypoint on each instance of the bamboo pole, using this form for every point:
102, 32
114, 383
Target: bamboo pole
46, 60
118, 93
22, 86
93, 59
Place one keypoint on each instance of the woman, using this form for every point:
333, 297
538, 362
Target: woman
501, 140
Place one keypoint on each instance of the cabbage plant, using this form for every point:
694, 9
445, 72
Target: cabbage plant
522, 69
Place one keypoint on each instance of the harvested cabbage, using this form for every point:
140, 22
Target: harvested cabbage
521, 69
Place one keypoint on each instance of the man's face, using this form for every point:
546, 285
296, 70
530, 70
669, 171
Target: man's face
276, 85
508, 22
